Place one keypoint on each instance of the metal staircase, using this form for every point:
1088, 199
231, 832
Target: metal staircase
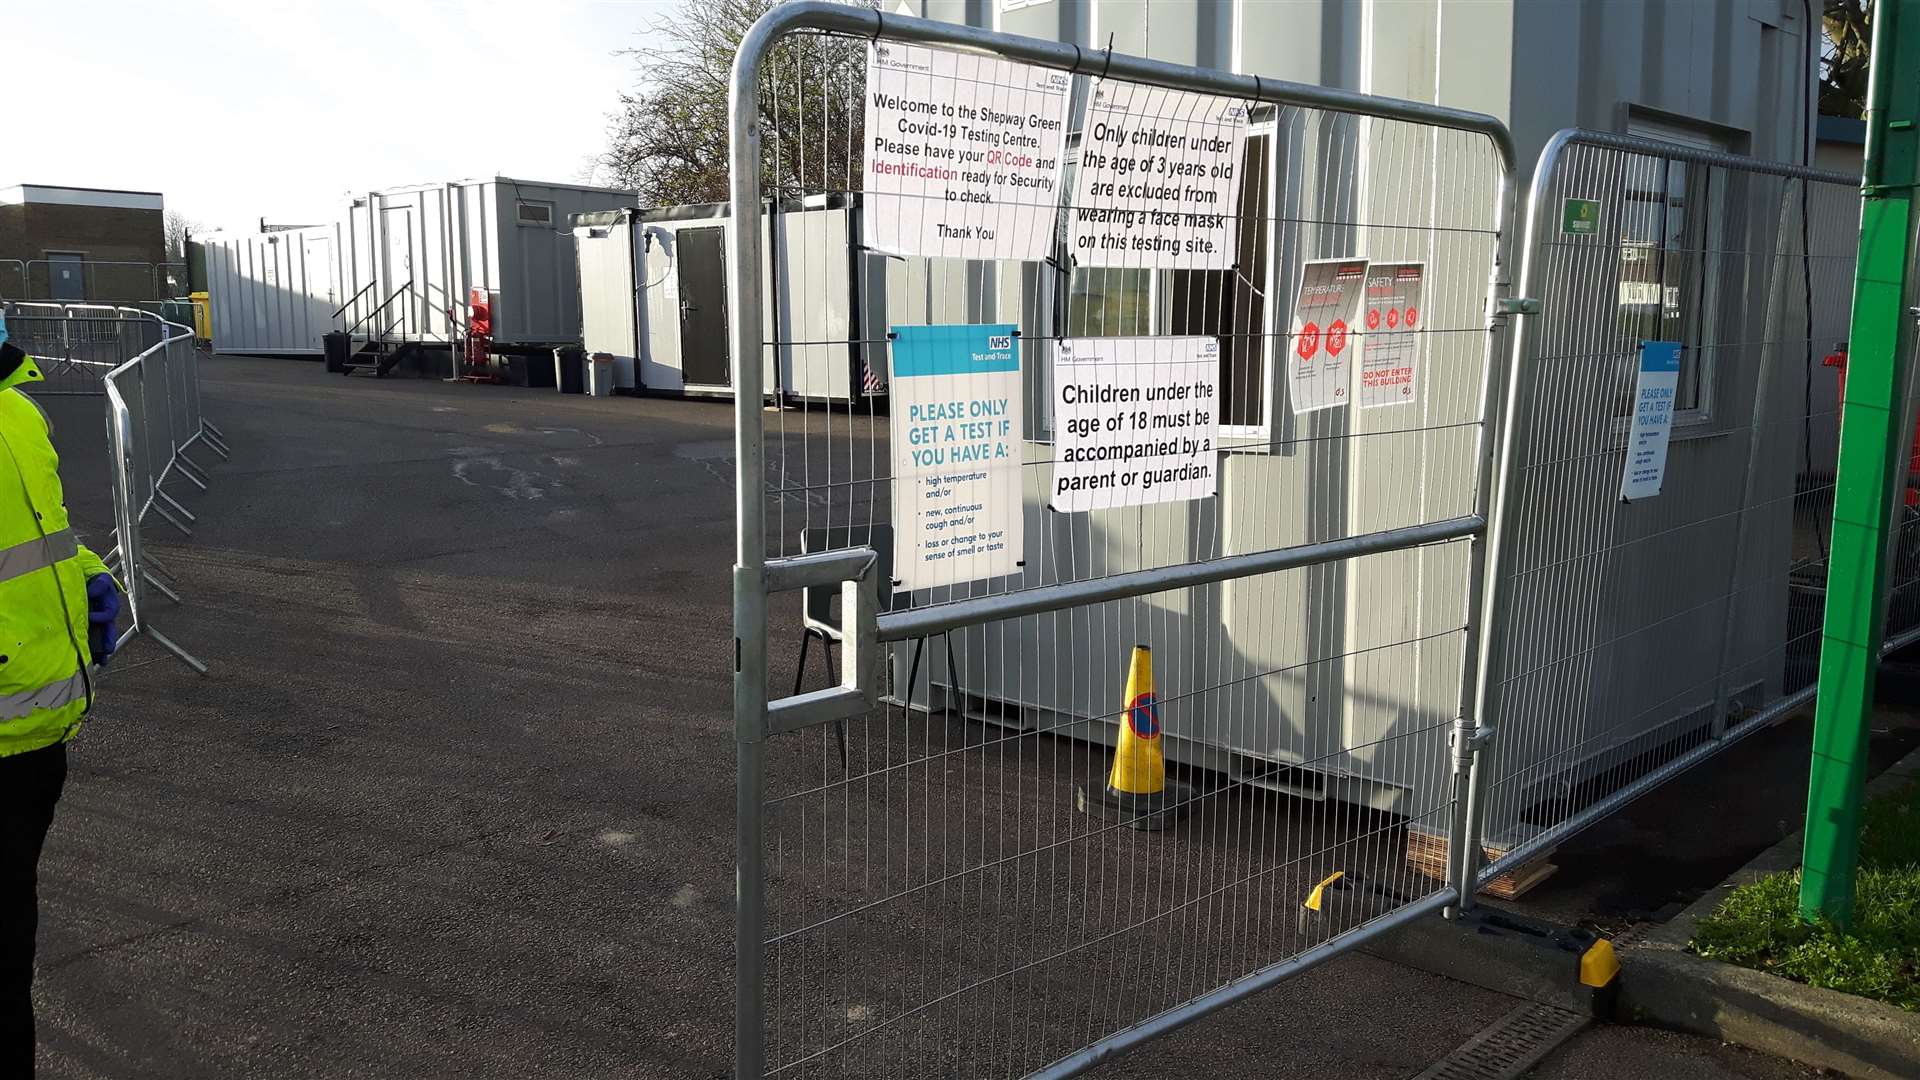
375, 346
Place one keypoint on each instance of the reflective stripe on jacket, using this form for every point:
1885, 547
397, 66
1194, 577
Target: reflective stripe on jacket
45, 688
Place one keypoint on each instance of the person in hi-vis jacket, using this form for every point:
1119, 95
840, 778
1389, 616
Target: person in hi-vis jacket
57, 609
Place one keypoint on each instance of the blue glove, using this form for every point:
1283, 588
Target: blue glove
103, 607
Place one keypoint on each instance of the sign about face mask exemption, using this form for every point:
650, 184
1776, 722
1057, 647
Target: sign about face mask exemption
1653, 395
1390, 348
957, 444
1326, 312
1158, 179
963, 154
1135, 421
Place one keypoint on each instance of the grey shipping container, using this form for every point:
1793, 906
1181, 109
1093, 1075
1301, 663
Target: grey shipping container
273, 293
414, 253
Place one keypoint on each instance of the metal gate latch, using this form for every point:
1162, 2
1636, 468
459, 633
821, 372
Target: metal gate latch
855, 570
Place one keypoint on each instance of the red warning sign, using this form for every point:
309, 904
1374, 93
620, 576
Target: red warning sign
1336, 337
1373, 318
1390, 360
1308, 341
1326, 309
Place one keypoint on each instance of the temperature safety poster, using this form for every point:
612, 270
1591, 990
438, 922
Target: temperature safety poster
1326, 311
957, 444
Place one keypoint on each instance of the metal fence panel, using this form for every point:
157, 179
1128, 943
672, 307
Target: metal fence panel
147, 369
919, 894
90, 280
76, 344
1628, 640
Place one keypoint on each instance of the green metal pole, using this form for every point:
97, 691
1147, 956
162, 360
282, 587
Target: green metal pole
1873, 465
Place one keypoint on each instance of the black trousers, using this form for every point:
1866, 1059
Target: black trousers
30, 785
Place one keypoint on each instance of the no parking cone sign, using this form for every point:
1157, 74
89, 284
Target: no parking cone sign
1138, 792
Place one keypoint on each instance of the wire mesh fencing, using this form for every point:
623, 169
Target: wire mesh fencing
934, 878
77, 279
1903, 568
148, 372
77, 344
1635, 631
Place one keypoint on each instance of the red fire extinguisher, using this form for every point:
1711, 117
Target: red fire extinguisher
479, 333
1837, 359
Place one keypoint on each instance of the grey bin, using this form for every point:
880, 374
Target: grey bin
600, 374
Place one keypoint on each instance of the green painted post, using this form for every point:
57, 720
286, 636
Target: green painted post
1873, 465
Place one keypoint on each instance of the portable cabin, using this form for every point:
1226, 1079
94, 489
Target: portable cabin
402, 265
273, 293
417, 257
653, 287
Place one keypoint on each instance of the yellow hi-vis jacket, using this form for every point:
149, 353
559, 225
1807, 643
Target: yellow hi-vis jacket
44, 685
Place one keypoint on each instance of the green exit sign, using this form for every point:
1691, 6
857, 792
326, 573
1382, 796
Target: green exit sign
1580, 217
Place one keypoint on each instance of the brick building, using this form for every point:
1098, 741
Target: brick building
71, 243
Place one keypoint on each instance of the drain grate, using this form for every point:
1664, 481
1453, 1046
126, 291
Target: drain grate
1515, 1043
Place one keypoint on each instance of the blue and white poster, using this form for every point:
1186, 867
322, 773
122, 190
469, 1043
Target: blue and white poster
1653, 397
957, 452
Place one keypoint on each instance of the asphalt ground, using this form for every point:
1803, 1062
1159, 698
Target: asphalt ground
455, 798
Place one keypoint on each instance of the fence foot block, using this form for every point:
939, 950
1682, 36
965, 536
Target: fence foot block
1428, 851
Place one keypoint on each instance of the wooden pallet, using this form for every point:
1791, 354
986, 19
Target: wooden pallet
1427, 852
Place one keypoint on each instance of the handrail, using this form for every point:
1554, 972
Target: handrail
355, 298
404, 286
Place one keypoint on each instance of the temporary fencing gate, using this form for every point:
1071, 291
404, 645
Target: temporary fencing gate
1630, 640
1330, 616
148, 371
918, 895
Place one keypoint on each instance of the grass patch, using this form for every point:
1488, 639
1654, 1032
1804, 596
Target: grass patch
1758, 925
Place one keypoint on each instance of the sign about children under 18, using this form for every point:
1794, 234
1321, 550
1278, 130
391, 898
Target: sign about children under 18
1136, 421
957, 445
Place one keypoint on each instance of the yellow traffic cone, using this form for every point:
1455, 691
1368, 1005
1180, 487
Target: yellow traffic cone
1138, 792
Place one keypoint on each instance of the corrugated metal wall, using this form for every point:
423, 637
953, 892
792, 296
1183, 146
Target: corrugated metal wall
273, 292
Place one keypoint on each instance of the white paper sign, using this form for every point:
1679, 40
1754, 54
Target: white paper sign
1157, 183
1325, 312
957, 445
1135, 421
1390, 348
963, 154
1653, 397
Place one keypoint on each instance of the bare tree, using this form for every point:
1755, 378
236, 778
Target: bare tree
1844, 57
669, 139
178, 227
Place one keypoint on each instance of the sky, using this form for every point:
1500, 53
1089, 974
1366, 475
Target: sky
238, 109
